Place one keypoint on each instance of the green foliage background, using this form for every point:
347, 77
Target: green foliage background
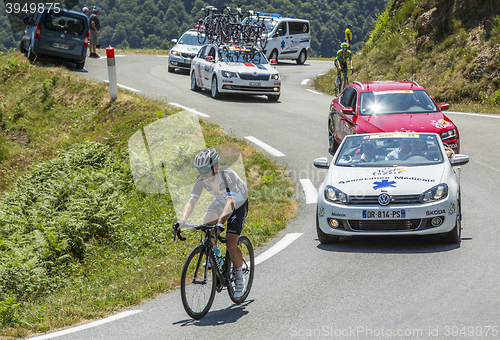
153, 23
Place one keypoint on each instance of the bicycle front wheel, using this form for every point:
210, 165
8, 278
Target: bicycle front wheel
197, 283
248, 270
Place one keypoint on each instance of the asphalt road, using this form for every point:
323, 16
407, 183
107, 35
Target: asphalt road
361, 288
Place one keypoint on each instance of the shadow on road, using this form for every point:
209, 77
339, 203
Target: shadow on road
391, 244
219, 317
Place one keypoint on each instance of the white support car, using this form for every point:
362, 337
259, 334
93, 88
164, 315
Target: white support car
390, 184
234, 69
183, 52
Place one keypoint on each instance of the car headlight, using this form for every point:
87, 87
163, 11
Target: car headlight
335, 195
229, 74
436, 193
275, 76
176, 53
450, 134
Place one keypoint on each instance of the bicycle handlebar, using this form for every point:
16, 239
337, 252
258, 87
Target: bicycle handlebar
202, 227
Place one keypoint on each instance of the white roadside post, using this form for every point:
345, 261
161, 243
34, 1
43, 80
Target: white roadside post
113, 85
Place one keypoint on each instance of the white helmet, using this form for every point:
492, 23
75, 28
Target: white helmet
206, 158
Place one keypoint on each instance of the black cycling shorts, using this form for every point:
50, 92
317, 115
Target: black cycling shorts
236, 221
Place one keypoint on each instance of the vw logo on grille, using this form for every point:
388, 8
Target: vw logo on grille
384, 199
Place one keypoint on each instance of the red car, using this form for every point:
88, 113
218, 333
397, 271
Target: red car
388, 106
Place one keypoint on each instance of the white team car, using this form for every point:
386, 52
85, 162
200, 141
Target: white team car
234, 69
390, 184
185, 49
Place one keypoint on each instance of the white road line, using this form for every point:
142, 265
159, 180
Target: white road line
320, 74
88, 325
315, 92
124, 87
310, 190
266, 147
282, 244
163, 56
475, 114
304, 81
189, 110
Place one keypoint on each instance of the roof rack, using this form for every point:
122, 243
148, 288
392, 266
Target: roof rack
357, 82
413, 81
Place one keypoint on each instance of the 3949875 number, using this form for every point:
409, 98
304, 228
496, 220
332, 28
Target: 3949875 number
31, 7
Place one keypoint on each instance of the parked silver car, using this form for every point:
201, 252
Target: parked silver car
57, 33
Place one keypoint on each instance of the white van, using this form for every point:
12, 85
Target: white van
288, 38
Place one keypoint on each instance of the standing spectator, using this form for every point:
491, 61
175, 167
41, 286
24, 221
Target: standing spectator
85, 11
348, 35
95, 26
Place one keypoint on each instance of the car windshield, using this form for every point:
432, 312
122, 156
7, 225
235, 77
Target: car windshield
396, 102
390, 150
269, 22
241, 55
189, 39
63, 23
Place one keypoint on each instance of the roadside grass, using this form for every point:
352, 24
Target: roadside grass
459, 66
77, 240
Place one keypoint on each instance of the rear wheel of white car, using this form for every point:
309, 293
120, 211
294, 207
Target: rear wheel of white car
322, 237
302, 57
194, 86
273, 97
215, 89
453, 236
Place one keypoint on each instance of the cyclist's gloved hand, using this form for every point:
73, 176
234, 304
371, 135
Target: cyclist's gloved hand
178, 225
220, 226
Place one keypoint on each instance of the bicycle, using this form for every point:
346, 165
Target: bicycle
341, 83
199, 281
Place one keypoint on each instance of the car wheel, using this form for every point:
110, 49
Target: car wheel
170, 69
274, 55
21, 46
80, 66
273, 97
322, 237
453, 236
31, 56
302, 57
194, 86
332, 142
215, 88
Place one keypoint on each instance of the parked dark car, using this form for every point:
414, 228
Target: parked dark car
57, 33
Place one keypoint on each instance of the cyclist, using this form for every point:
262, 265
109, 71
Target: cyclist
348, 35
341, 61
230, 205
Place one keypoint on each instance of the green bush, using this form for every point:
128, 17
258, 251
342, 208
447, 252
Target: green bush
53, 212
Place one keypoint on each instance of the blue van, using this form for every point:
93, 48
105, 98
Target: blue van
57, 33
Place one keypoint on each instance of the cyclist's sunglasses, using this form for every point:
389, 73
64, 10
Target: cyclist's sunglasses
204, 171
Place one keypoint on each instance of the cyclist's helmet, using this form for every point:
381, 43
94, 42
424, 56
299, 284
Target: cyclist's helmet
206, 159
344, 45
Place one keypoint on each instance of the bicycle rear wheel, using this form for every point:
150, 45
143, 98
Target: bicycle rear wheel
197, 284
201, 34
248, 270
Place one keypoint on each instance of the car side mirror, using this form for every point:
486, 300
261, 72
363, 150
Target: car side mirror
321, 163
459, 159
348, 110
209, 58
273, 62
444, 106
26, 21
174, 41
